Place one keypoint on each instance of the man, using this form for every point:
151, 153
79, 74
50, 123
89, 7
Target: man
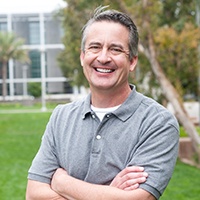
116, 143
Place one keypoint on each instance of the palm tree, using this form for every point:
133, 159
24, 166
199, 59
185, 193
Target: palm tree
10, 48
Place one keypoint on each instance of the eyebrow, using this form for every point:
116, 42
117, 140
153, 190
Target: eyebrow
117, 45
111, 45
94, 43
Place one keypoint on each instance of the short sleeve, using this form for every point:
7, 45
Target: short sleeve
157, 151
45, 162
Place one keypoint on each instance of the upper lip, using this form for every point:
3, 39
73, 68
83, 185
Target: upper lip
108, 67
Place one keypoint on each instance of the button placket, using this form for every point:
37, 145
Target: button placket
98, 136
97, 145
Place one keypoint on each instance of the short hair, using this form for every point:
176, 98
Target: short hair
100, 14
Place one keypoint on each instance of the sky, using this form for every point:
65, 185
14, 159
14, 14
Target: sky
28, 6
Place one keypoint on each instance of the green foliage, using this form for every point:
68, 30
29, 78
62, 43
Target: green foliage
34, 89
10, 47
177, 13
176, 39
177, 48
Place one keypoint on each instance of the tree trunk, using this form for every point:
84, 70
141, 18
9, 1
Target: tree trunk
4, 77
171, 94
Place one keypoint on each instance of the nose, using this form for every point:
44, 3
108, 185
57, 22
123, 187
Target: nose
103, 56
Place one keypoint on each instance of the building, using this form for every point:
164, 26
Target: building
42, 33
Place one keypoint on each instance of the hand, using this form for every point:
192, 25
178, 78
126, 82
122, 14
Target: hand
129, 178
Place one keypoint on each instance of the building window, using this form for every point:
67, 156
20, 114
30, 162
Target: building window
3, 26
35, 64
34, 33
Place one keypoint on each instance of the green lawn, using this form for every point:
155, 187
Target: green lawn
184, 185
20, 136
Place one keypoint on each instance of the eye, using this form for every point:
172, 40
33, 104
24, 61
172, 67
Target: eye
94, 48
116, 50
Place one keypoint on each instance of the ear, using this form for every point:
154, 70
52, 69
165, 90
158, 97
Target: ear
82, 55
133, 63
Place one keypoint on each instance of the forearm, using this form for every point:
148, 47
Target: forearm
41, 191
72, 188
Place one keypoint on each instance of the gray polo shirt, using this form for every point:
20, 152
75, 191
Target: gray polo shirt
140, 132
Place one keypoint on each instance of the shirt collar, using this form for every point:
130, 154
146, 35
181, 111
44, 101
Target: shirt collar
124, 111
130, 105
86, 106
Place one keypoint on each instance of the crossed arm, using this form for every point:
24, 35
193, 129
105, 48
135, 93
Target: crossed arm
64, 187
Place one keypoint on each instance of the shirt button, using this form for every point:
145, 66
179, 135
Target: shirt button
107, 115
93, 116
98, 137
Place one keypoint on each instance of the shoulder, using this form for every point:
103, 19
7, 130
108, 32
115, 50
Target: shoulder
69, 106
156, 113
66, 111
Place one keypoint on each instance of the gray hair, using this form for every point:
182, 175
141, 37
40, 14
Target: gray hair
100, 14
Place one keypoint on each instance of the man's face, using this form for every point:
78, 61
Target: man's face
105, 61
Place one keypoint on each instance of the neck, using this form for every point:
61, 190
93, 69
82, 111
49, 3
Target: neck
109, 98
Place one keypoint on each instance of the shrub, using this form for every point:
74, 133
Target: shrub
34, 89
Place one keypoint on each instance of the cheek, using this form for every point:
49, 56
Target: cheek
123, 64
87, 59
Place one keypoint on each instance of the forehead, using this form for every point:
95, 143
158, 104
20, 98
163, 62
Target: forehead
106, 31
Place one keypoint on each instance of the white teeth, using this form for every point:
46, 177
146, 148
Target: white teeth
104, 70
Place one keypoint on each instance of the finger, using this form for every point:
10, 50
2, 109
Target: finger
126, 174
133, 177
132, 182
131, 169
132, 187
126, 183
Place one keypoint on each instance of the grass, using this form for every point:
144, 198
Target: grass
20, 136
184, 184
26, 106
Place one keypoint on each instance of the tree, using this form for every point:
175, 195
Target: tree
10, 48
178, 47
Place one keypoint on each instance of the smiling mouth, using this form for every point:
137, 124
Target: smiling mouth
104, 70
